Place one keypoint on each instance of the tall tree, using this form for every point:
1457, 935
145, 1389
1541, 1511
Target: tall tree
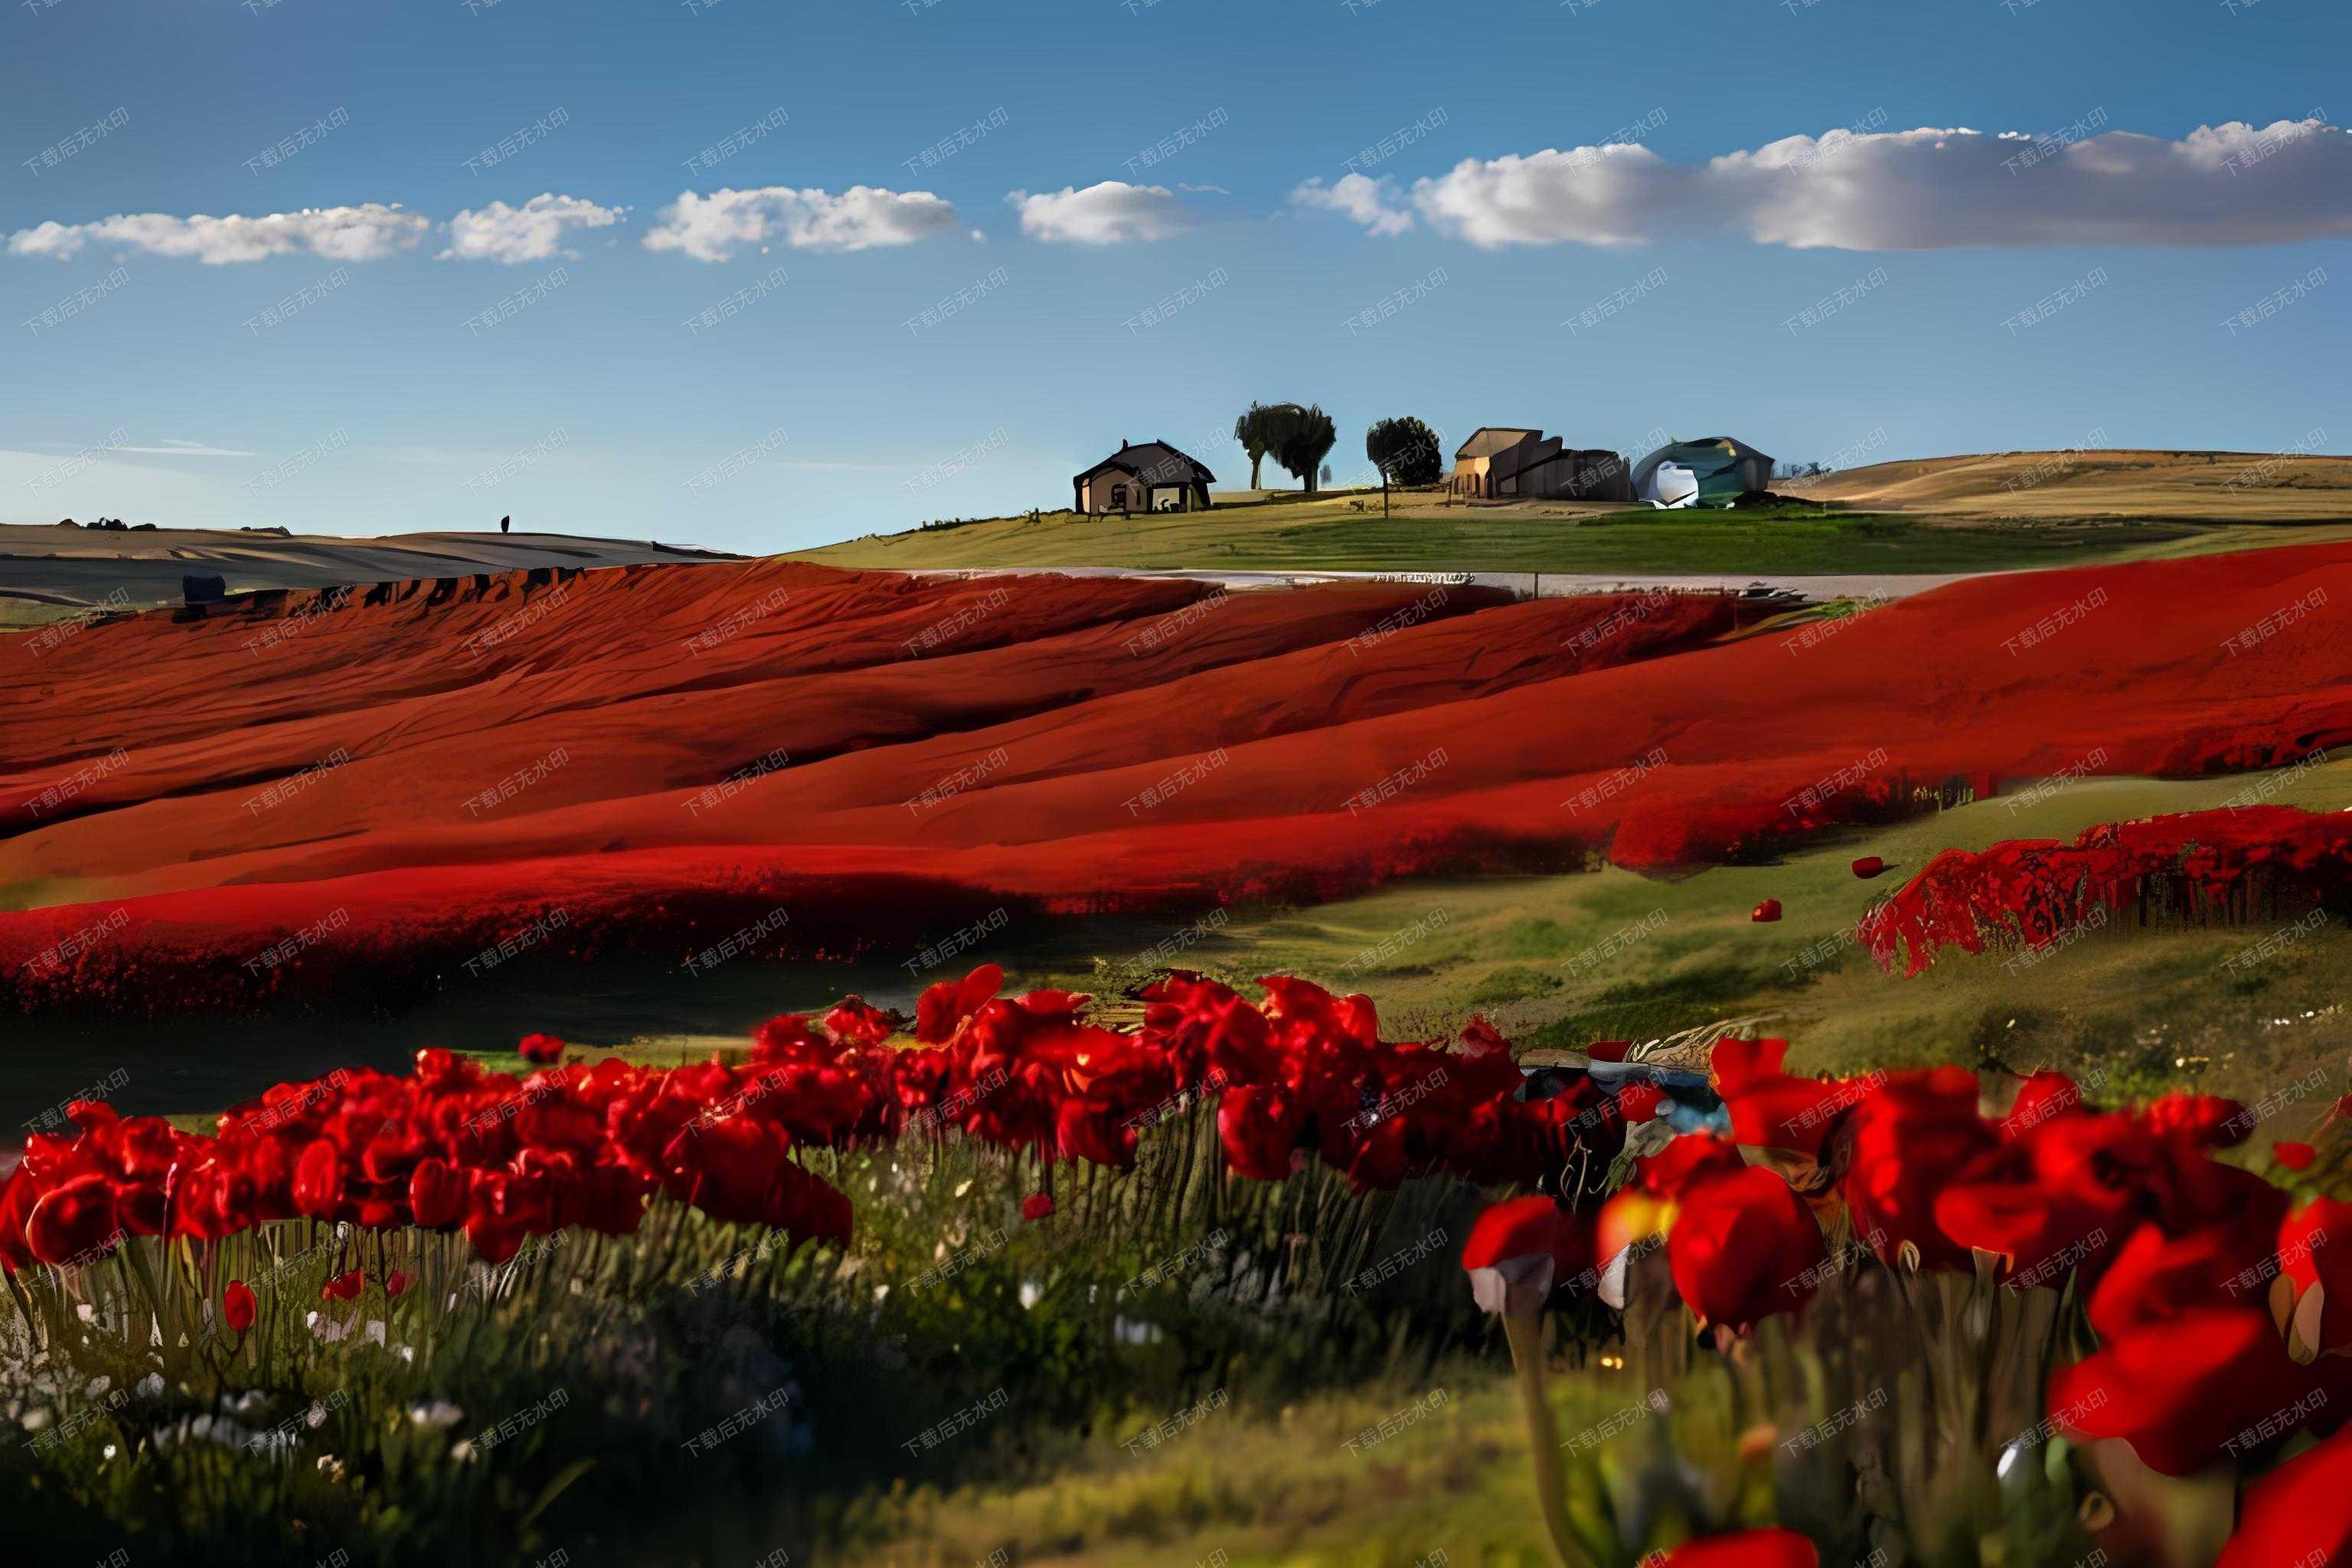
1305, 436
1258, 431
1405, 452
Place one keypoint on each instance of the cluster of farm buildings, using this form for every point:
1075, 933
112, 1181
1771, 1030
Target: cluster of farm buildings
1497, 463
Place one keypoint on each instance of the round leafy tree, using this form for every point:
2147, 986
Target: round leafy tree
1405, 451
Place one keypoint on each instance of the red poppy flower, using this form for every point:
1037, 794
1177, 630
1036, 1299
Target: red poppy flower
1259, 1125
2042, 1095
1053, 1006
2187, 1392
1380, 1160
725, 1168
1773, 1548
852, 1021
941, 1009
1735, 1064
17, 1196
319, 1180
780, 1036
1910, 1134
2300, 1512
1744, 1248
553, 1121
237, 1306
2231, 1201
395, 1283
1774, 1109
437, 1193
1037, 1206
2315, 1249
2294, 1156
540, 1049
2073, 1186
614, 1202
2157, 1278
1869, 866
2206, 1121
344, 1287
495, 1240
437, 1068
1767, 912
71, 1221
1686, 1161
1084, 1130
1789, 1113
1525, 1248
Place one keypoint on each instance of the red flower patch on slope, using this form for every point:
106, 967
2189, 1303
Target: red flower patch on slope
1066, 745
2038, 891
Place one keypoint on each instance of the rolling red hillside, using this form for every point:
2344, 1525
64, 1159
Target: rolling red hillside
1319, 739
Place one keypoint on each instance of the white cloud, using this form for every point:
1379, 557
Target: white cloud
531, 232
366, 232
1915, 190
1619, 194
1106, 214
709, 228
1369, 202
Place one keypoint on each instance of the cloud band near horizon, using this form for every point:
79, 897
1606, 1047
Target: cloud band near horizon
1927, 189
1924, 189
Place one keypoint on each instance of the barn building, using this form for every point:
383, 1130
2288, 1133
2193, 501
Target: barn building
1502, 462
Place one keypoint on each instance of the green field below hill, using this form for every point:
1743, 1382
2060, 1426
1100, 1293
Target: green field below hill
1345, 531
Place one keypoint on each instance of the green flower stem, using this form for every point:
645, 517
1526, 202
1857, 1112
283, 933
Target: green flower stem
1523, 1325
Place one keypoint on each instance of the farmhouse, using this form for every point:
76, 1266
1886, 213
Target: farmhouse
1501, 462
1152, 476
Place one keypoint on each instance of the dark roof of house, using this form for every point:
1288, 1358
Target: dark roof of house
1154, 462
1732, 444
1500, 438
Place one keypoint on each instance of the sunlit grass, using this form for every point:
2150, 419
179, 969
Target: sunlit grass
2154, 1004
1339, 532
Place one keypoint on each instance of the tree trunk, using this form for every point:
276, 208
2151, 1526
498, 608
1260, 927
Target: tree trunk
1256, 459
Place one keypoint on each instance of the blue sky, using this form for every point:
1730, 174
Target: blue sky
368, 408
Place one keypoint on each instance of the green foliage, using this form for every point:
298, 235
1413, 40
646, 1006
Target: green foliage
1513, 984
1405, 451
609, 1356
1301, 438
1532, 936
1259, 431
1292, 532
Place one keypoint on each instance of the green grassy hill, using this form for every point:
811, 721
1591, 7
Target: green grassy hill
1344, 530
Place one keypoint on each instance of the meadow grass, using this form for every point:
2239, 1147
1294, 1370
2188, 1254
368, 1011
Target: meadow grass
947, 1298
1327, 534
1537, 956
1606, 954
568, 1400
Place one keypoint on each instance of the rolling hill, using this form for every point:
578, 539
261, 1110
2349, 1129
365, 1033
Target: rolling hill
1940, 515
2199, 487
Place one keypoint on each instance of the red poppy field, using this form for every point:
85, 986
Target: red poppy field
869, 1280
420, 777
